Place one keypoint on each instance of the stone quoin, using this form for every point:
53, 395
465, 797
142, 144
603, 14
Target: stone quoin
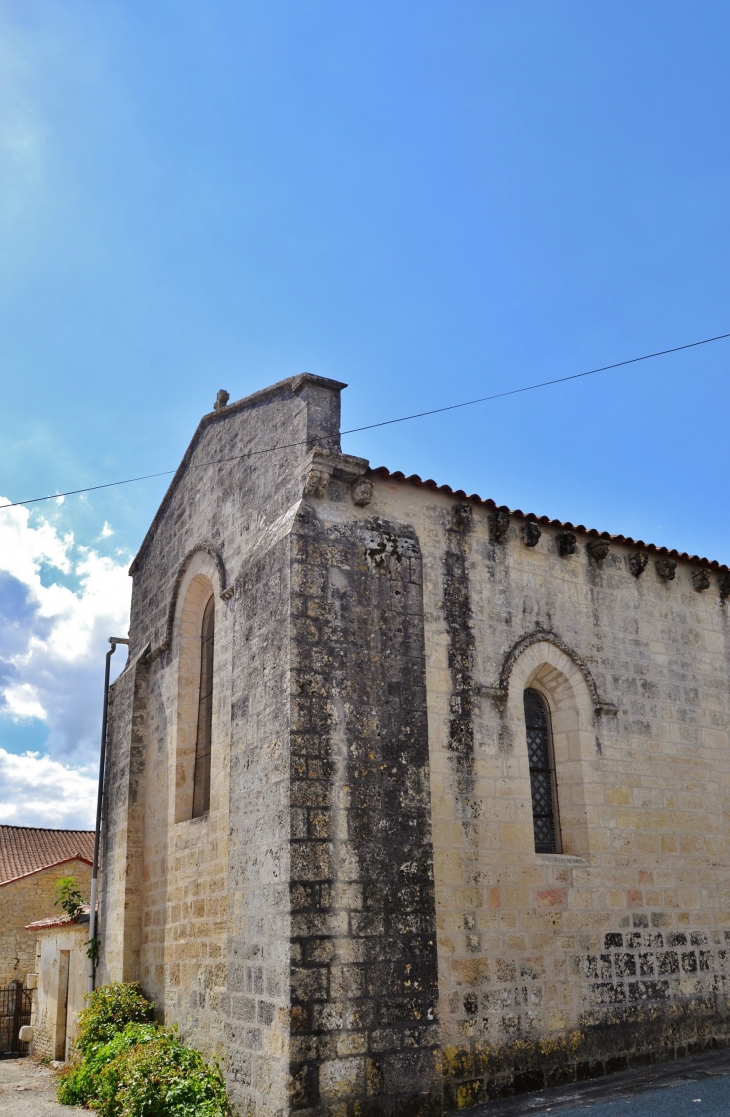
412, 801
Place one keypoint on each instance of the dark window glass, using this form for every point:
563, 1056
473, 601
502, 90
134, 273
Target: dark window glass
201, 779
542, 774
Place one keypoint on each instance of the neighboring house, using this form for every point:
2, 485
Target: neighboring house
412, 799
31, 861
62, 968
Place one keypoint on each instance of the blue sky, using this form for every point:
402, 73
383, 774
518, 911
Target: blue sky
430, 201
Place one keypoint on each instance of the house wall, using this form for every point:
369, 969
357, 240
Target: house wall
50, 1037
23, 901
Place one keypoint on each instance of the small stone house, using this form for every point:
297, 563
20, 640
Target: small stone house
412, 800
31, 861
60, 982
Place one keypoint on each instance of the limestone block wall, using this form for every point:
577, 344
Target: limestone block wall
184, 893
123, 834
363, 944
556, 966
256, 1007
360, 924
198, 909
22, 902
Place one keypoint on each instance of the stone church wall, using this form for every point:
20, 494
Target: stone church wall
360, 924
560, 966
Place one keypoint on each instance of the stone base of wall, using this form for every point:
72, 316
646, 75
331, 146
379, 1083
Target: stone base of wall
627, 1037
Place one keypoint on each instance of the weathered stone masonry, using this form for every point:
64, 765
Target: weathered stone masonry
364, 981
360, 924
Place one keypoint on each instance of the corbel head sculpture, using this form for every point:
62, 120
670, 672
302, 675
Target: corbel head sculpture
566, 543
666, 568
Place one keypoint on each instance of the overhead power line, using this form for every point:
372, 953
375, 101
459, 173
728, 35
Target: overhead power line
383, 422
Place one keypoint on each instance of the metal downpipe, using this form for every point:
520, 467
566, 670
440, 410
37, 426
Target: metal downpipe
113, 640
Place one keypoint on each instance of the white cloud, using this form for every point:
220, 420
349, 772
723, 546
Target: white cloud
59, 603
22, 701
38, 791
107, 530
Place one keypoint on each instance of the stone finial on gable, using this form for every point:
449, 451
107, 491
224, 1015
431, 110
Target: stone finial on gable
221, 400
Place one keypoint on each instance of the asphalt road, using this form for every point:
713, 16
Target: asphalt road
695, 1087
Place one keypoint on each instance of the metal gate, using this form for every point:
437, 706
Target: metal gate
15, 1006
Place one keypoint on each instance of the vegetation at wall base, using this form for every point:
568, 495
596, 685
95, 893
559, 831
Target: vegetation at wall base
110, 1008
132, 1067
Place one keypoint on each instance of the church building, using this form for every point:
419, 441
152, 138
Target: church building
412, 801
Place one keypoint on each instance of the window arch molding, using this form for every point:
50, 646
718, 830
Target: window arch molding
218, 578
198, 585
544, 667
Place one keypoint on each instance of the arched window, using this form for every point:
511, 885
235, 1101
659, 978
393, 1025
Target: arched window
201, 776
545, 817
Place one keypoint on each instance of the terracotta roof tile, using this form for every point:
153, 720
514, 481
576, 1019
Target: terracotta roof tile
81, 920
27, 849
414, 479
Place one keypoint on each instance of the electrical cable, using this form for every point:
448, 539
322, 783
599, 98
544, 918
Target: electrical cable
383, 423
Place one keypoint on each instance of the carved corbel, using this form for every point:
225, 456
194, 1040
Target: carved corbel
463, 515
638, 563
531, 534
598, 550
317, 479
666, 568
499, 525
566, 543
701, 580
361, 491
323, 464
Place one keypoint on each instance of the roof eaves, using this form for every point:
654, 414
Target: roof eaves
52, 921
414, 479
43, 868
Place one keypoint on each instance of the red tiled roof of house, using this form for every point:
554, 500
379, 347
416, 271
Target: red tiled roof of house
61, 921
27, 849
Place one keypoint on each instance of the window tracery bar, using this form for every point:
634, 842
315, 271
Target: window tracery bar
542, 774
201, 777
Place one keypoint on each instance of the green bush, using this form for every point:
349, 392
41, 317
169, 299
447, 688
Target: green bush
81, 1084
132, 1067
109, 1010
163, 1078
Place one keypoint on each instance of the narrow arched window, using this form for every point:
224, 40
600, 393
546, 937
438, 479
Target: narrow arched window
542, 774
201, 777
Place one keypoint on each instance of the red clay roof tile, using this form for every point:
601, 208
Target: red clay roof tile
27, 849
414, 479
